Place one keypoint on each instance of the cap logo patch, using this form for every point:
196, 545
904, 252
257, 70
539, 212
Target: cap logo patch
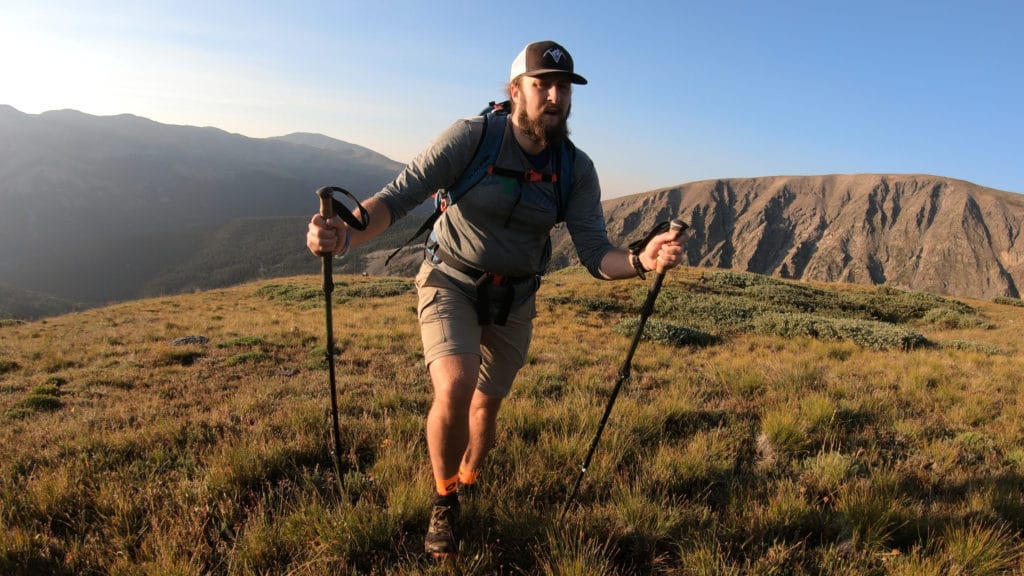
555, 54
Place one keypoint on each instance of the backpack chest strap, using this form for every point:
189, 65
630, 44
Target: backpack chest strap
522, 176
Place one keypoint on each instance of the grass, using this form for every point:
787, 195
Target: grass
768, 427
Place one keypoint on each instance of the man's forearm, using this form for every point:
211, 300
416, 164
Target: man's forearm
380, 220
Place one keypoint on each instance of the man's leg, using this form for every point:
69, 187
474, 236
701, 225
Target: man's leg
454, 378
483, 418
448, 423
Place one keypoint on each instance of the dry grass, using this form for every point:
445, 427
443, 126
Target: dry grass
768, 428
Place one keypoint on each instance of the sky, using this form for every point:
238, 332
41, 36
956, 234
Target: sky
678, 91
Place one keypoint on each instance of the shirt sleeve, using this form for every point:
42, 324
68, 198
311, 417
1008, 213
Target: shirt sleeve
584, 216
437, 166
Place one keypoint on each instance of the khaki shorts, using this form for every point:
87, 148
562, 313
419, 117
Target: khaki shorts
449, 325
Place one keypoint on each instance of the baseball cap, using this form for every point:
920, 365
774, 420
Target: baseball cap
543, 58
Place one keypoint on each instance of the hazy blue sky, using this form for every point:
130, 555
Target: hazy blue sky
679, 91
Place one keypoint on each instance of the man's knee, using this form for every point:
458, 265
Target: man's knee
454, 378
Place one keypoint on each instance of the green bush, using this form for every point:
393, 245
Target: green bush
954, 320
247, 358
892, 305
8, 366
588, 304
1008, 301
867, 333
289, 292
667, 333
44, 398
711, 312
885, 303
973, 347
382, 288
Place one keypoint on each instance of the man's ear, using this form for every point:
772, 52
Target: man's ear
514, 92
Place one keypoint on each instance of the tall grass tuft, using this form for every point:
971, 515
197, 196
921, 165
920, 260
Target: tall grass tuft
572, 553
871, 510
981, 548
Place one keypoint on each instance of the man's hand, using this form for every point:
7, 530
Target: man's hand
326, 237
664, 251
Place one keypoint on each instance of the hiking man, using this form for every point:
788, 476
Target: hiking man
477, 284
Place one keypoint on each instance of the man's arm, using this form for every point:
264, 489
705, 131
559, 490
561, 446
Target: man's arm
665, 249
328, 236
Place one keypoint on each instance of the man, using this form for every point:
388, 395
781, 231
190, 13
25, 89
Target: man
477, 284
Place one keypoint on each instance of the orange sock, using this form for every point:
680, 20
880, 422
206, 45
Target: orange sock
446, 487
467, 476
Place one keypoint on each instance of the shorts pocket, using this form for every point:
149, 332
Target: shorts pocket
426, 307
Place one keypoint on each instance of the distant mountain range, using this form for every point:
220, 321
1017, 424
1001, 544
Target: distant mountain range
94, 209
99, 209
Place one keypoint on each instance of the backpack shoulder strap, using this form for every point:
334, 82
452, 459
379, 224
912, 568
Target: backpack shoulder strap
566, 160
486, 153
484, 156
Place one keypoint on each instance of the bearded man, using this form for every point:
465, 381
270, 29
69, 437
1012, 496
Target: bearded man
483, 264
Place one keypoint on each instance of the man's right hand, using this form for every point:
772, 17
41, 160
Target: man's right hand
326, 237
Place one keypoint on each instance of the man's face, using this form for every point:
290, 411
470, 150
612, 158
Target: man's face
543, 104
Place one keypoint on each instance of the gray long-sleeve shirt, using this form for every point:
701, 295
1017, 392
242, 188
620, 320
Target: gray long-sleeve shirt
502, 224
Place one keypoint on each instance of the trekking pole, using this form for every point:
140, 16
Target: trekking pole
329, 206
678, 227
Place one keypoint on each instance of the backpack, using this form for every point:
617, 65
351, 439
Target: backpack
482, 163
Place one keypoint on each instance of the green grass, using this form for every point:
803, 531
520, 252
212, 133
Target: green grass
768, 427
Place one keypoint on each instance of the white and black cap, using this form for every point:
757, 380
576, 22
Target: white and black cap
544, 57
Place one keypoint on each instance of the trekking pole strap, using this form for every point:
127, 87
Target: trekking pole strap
331, 206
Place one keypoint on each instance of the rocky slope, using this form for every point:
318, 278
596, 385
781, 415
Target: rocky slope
911, 231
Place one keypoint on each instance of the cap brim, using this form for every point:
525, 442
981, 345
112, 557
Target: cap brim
576, 78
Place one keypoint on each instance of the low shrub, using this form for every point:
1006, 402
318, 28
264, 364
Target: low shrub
1008, 301
667, 333
867, 333
289, 292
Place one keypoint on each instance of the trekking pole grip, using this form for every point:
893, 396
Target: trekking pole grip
326, 195
678, 227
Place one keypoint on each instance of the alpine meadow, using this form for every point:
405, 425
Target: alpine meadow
769, 426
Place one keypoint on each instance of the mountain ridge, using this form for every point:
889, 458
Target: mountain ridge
98, 209
913, 231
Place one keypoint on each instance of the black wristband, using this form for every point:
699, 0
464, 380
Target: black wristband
638, 266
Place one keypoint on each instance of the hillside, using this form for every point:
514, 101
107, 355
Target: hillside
768, 427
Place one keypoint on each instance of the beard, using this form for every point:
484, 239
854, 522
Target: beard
543, 135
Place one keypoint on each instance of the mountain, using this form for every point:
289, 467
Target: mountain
93, 208
911, 231
99, 209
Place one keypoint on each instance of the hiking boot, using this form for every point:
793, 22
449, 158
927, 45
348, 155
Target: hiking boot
440, 540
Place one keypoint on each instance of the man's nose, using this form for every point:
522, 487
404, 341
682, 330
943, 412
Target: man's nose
553, 94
